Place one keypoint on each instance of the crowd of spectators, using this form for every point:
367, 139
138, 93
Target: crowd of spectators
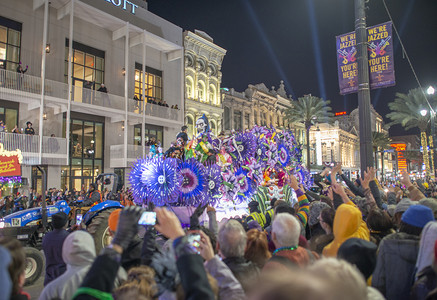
342, 240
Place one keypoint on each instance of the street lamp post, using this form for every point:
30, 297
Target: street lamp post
366, 154
431, 91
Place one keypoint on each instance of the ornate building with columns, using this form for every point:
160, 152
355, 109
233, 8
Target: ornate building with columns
203, 61
258, 105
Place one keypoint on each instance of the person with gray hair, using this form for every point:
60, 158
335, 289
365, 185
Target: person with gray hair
285, 236
231, 244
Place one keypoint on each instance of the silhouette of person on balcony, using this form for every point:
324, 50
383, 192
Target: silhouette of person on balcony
102, 89
138, 102
87, 87
29, 129
52, 144
2, 126
20, 75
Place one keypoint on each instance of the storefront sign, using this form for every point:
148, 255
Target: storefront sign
124, 4
380, 55
10, 162
402, 162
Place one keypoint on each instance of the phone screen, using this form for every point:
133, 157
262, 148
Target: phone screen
148, 218
194, 241
78, 219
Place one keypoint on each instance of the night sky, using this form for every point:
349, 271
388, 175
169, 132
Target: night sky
294, 41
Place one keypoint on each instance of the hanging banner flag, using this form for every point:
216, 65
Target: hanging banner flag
347, 63
380, 51
381, 60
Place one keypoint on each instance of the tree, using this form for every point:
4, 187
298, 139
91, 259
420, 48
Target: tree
406, 110
380, 142
309, 110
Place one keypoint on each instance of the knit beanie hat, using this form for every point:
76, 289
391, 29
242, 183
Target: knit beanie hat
113, 220
403, 205
59, 220
360, 253
431, 203
315, 210
418, 216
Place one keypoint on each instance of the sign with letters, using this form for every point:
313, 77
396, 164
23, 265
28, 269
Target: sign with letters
10, 162
380, 52
124, 4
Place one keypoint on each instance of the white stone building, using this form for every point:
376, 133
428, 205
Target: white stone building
203, 62
67, 43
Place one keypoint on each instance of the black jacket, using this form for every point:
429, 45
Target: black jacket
245, 271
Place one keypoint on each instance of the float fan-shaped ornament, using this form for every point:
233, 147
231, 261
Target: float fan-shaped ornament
243, 147
194, 182
283, 155
246, 186
139, 188
158, 178
214, 181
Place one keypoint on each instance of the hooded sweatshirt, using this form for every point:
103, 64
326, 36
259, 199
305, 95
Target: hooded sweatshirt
426, 248
78, 252
348, 223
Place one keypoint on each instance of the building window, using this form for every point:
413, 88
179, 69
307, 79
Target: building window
88, 66
212, 94
86, 151
10, 44
120, 172
227, 118
9, 114
237, 121
213, 127
189, 87
152, 133
247, 121
190, 125
153, 83
201, 91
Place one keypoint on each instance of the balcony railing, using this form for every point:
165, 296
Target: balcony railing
15, 86
133, 153
54, 150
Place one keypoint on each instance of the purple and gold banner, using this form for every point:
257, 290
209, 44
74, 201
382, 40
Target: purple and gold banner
347, 63
380, 51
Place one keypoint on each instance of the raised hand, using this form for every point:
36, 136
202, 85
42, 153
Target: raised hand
168, 224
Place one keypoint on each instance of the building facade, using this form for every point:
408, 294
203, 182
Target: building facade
258, 105
203, 62
71, 50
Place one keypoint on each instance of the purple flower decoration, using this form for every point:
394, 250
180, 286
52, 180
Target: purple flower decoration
261, 151
242, 147
272, 155
229, 187
283, 155
193, 187
259, 130
158, 178
246, 186
214, 181
255, 170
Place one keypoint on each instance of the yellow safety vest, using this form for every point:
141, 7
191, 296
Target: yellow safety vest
260, 218
271, 213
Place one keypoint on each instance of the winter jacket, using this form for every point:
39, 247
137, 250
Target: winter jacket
229, 287
245, 271
415, 193
426, 282
394, 272
52, 246
289, 258
348, 223
78, 253
426, 246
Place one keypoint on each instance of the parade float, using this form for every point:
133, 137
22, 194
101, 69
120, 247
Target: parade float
226, 172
